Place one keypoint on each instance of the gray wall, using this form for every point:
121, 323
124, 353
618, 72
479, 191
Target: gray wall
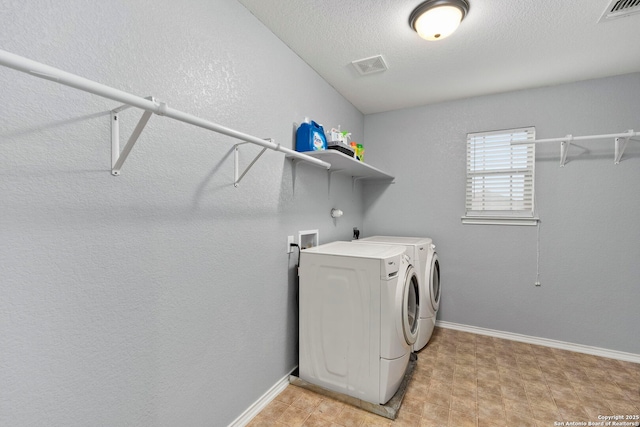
164, 296
589, 231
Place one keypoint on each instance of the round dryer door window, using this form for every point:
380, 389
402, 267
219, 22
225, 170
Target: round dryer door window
434, 282
411, 306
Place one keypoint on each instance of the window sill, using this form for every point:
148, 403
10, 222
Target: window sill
480, 220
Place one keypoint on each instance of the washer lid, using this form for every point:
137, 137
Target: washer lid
358, 250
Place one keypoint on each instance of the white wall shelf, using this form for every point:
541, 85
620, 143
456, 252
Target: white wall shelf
333, 161
347, 165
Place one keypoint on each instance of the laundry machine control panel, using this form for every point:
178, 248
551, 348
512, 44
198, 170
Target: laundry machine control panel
390, 267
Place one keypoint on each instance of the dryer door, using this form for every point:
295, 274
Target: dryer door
410, 306
434, 282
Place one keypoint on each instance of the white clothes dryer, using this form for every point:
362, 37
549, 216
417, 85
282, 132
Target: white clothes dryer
358, 318
422, 255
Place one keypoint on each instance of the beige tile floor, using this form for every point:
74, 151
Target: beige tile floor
464, 379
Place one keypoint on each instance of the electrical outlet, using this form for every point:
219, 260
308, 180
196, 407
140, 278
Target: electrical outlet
537, 284
289, 242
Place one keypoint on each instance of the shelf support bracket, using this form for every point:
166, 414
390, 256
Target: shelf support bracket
620, 146
564, 149
117, 157
237, 177
354, 181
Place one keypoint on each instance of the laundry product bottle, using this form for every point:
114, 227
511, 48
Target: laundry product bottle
310, 137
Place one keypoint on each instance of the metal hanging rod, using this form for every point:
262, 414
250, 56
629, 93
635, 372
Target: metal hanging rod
620, 143
150, 105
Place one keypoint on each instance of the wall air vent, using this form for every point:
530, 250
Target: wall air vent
374, 64
619, 9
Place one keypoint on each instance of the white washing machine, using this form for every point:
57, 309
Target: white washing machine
358, 318
422, 255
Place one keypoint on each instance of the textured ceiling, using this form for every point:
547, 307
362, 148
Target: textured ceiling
502, 45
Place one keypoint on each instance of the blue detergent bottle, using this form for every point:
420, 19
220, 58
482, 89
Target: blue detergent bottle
310, 137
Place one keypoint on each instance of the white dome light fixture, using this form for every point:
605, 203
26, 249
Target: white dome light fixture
437, 19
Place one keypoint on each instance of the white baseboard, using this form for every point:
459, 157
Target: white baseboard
262, 402
595, 351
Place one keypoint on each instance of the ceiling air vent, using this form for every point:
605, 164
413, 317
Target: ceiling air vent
620, 9
374, 64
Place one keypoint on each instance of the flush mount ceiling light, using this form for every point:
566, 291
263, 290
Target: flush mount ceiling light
437, 19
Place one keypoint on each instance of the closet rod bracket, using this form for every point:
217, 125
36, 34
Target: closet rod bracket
621, 145
237, 177
118, 157
564, 149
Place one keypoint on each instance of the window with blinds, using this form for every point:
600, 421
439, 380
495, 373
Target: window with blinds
500, 177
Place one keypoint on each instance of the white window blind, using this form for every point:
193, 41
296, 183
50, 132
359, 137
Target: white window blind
500, 175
